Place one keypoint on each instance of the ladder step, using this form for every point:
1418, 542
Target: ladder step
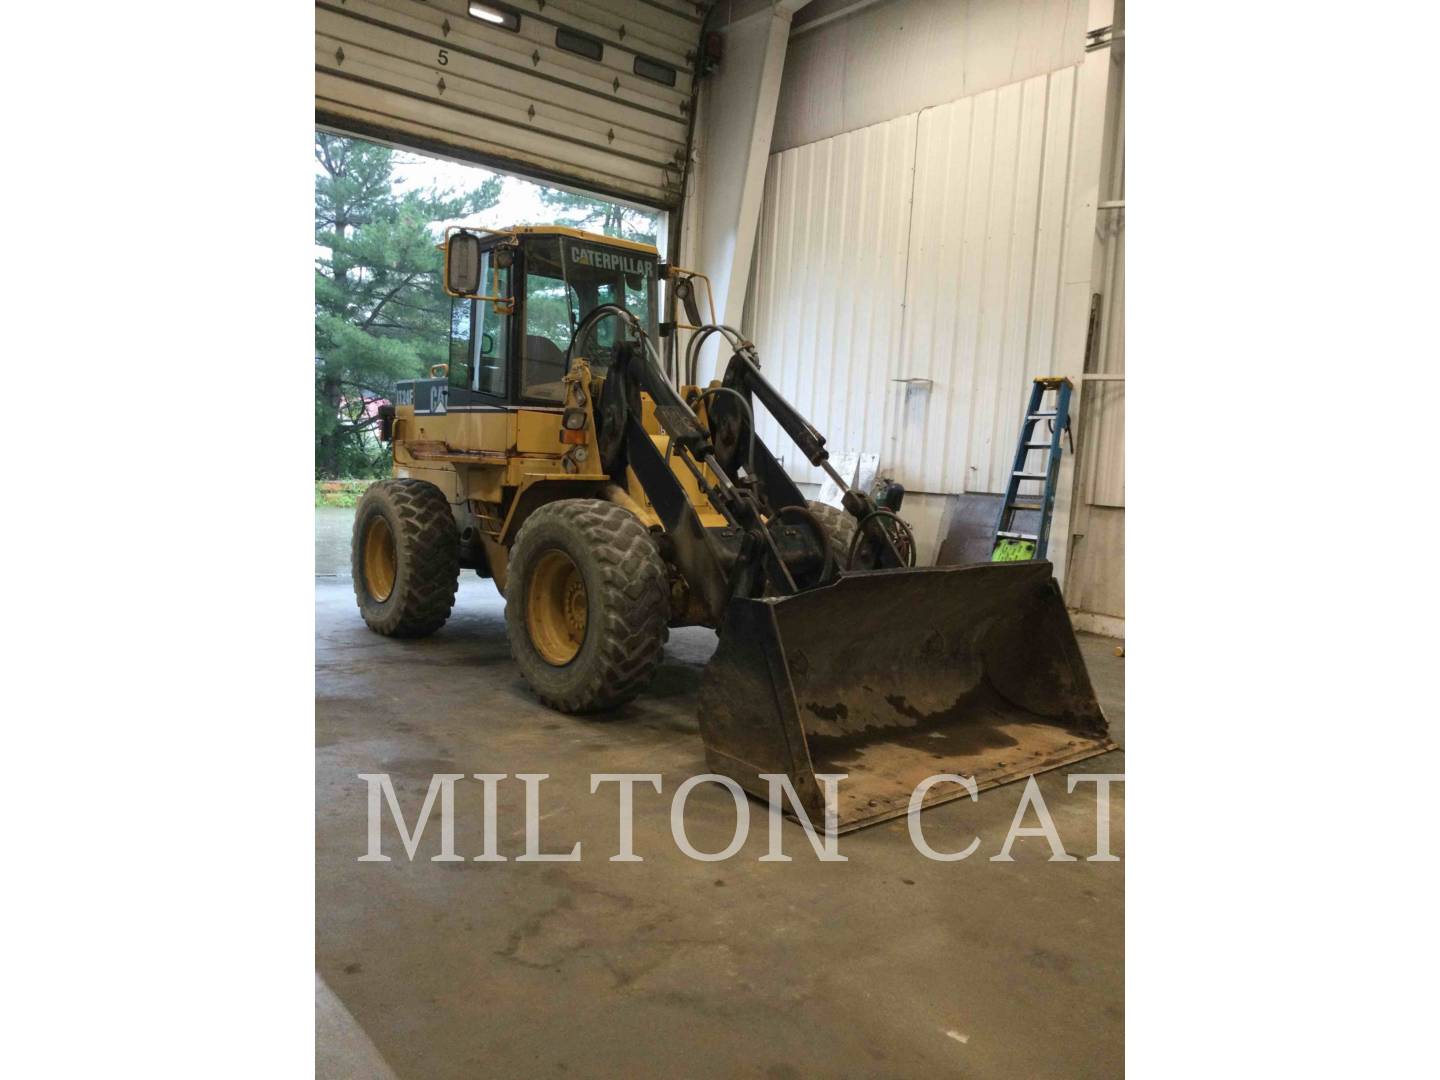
1033, 438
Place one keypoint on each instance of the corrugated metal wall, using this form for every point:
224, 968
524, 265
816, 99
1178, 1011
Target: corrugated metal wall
1096, 584
829, 285
986, 231
901, 56
924, 248
1105, 413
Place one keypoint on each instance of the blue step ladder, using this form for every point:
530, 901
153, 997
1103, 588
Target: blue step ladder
1011, 544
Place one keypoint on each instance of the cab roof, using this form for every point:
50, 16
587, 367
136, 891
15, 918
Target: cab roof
580, 234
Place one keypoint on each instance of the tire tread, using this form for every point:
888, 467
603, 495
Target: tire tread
633, 629
839, 526
429, 539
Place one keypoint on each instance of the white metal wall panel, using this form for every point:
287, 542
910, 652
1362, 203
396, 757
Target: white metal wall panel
1096, 581
985, 244
1105, 431
926, 249
830, 282
901, 56
431, 75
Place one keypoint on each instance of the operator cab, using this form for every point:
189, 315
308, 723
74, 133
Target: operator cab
525, 291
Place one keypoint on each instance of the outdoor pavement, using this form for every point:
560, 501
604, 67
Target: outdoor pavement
888, 965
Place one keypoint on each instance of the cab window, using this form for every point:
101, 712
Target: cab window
604, 275
462, 336
640, 299
552, 310
606, 293
492, 344
479, 339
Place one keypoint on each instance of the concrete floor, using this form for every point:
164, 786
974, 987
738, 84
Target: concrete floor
889, 965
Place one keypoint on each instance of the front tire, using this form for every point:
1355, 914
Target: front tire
839, 527
587, 604
404, 558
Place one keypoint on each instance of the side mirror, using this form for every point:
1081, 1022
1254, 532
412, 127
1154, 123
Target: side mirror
462, 264
685, 293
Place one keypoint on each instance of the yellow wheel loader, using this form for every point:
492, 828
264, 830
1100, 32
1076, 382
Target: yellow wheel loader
611, 498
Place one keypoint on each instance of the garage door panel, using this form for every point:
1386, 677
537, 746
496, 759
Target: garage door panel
408, 69
388, 111
549, 133
393, 68
634, 27
529, 59
537, 33
487, 76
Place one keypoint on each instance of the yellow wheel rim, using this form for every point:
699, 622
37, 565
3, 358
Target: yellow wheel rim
556, 608
379, 559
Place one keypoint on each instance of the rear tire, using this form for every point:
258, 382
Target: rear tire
587, 604
840, 527
404, 558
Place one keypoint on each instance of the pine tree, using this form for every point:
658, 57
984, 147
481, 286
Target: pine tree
381, 313
598, 216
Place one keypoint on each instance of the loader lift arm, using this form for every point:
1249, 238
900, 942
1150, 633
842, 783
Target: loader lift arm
759, 556
882, 540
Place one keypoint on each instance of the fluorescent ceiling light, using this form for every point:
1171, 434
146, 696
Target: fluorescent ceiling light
490, 13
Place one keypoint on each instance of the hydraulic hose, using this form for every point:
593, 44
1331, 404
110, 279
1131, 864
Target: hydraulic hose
749, 419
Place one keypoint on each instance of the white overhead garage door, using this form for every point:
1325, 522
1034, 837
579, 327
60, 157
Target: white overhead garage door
590, 93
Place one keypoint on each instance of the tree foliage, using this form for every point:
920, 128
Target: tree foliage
381, 313
599, 216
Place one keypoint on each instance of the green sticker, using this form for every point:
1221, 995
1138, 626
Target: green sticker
1013, 551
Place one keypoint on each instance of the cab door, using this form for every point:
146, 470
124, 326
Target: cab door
480, 345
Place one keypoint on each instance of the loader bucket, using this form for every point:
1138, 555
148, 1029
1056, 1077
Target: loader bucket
891, 676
